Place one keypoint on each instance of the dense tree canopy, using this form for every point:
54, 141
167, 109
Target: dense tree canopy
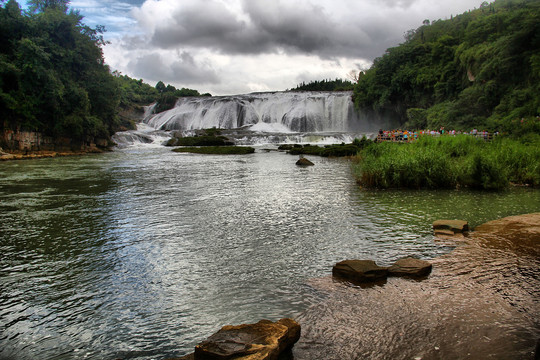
52, 73
169, 94
478, 69
325, 85
53, 78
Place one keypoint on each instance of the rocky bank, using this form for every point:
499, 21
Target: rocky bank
15, 145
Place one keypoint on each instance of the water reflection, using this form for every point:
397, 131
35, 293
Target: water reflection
143, 253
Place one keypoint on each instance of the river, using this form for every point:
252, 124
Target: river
142, 253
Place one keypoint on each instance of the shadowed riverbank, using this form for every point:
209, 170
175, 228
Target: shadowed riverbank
481, 301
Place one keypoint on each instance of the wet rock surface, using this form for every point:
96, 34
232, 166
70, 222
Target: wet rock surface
264, 340
450, 227
304, 162
359, 271
410, 267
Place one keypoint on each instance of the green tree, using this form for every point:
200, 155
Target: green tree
477, 69
160, 86
43, 5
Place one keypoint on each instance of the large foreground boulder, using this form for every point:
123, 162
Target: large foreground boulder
265, 340
359, 271
450, 227
410, 267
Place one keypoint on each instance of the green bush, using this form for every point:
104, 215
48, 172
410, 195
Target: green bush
447, 162
484, 172
393, 165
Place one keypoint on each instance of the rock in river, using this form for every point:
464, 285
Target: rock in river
265, 340
450, 227
359, 271
304, 162
410, 267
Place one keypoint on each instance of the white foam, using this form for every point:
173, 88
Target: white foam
263, 127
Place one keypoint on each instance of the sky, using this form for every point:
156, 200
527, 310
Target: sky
227, 47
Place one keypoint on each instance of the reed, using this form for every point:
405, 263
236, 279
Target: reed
448, 162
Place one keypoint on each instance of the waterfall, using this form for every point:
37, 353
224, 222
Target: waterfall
305, 112
149, 111
143, 136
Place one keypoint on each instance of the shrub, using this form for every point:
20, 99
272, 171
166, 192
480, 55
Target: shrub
448, 162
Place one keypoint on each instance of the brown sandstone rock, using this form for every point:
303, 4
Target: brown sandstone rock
359, 271
304, 162
410, 267
264, 340
450, 227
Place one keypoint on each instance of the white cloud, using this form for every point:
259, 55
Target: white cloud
235, 46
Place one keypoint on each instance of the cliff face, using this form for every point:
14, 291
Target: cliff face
30, 141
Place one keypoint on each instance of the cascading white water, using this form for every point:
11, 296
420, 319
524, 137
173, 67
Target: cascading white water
143, 136
264, 112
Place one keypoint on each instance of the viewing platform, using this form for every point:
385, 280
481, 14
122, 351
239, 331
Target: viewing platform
408, 136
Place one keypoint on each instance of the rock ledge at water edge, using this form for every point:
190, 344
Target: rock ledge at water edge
264, 340
367, 271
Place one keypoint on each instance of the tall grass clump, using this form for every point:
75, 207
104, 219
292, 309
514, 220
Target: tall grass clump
521, 159
393, 165
448, 162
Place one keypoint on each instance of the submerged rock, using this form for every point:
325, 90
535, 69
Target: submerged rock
359, 271
450, 227
304, 162
410, 267
265, 340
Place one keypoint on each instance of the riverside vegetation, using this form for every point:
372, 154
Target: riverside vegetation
54, 80
449, 162
207, 141
480, 69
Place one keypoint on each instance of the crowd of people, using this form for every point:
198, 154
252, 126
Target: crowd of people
406, 135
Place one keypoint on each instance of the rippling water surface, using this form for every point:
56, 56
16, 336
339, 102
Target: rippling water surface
142, 253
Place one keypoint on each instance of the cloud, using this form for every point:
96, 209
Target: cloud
181, 70
257, 45
262, 27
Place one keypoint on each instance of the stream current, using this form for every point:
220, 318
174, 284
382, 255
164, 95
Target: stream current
142, 253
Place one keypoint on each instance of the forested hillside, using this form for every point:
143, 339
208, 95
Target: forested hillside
325, 85
477, 69
52, 73
53, 78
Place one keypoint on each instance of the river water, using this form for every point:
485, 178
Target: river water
142, 253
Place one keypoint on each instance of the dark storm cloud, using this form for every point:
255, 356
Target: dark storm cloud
183, 70
272, 27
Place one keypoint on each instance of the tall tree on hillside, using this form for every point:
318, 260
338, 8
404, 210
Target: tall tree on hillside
42, 5
52, 73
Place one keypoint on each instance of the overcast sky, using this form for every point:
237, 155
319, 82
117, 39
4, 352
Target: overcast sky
241, 46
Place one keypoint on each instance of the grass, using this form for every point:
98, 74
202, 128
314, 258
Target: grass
208, 137
449, 162
217, 150
204, 140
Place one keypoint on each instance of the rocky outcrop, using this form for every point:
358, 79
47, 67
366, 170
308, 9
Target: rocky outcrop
450, 227
30, 144
304, 162
520, 233
359, 271
264, 340
367, 271
410, 267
